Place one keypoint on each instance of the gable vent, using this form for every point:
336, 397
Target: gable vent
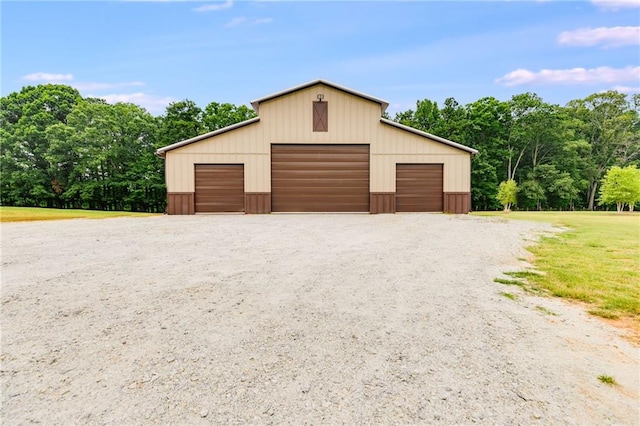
320, 116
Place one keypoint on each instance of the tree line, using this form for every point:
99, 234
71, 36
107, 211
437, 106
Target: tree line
557, 155
61, 150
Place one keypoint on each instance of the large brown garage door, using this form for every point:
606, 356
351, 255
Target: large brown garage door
320, 178
419, 188
219, 188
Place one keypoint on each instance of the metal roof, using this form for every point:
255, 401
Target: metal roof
429, 135
161, 151
383, 104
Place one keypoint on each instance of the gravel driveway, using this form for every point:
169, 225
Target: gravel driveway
298, 319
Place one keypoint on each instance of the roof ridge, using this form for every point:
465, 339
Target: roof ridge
383, 104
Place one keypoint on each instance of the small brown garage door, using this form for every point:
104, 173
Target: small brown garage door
419, 188
320, 178
219, 188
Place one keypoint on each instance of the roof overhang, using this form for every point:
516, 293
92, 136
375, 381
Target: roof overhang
162, 151
383, 104
429, 135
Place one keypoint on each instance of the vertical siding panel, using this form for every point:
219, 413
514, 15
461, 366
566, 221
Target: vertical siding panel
255, 168
448, 175
352, 127
176, 173
375, 173
249, 172
180, 174
189, 178
247, 162
169, 172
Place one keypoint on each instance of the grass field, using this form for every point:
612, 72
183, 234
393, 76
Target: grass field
597, 261
27, 214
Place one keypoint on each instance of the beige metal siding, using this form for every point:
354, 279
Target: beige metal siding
392, 146
246, 145
289, 119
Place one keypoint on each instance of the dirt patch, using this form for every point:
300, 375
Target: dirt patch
631, 326
295, 319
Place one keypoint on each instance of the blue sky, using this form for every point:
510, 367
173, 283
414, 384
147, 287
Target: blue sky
155, 52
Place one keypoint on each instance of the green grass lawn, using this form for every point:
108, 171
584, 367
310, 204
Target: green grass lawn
597, 261
26, 214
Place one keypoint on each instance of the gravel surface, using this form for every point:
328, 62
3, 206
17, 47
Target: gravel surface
298, 319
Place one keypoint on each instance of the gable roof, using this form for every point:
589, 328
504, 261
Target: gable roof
429, 135
383, 104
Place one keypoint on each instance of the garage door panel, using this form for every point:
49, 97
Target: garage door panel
322, 205
312, 157
339, 181
419, 188
320, 178
322, 191
301, 167
219, 188
355, 173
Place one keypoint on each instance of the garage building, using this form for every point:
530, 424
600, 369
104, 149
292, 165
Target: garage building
318, 147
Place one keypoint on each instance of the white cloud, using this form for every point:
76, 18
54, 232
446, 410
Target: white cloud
627, 89
616, 4
47, 77
608, 37
571, 76
152, 103
249, 21
44, 77
235, 22
212, 7
105, 86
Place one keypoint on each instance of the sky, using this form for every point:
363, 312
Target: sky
152, 53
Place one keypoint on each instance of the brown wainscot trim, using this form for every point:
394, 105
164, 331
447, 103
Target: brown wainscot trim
257, 202
457, 202
382, 202
180, 203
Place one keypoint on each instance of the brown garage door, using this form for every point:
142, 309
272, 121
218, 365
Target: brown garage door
219, 188
320, 178
419, 188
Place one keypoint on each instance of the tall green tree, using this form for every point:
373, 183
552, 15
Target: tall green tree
533, 132
216, 115
27, 177
609, 124
452, 122
486, 130
182, 120
105, 157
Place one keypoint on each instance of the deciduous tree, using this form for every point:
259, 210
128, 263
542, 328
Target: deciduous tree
621, 186
216, 116
508, 194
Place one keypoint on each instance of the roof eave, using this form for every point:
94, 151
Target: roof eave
162, 151
430, 136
